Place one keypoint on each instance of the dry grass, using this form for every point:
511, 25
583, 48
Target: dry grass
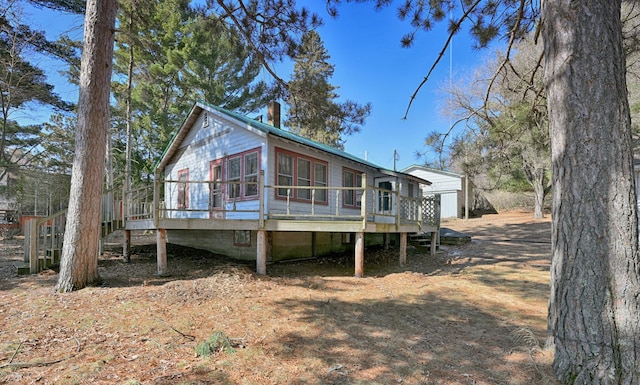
475, 314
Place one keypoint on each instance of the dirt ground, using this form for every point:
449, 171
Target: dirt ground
474, 314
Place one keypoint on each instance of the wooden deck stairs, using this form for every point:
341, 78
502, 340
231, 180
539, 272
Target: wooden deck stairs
422, 241
44, 236
445, 237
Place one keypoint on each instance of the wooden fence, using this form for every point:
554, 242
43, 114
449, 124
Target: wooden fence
43, 241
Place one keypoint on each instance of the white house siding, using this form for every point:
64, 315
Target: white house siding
222, 138
200, 147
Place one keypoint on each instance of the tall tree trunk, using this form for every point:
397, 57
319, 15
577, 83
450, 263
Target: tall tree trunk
127, 177
79, 261
538, 204
594, 307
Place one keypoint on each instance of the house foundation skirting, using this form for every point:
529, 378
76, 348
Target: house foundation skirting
273, 246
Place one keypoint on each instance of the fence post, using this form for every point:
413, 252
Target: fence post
27, 237
33, 245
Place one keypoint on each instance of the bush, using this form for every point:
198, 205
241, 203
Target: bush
216, 343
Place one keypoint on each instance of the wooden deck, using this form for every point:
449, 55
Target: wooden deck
144, 209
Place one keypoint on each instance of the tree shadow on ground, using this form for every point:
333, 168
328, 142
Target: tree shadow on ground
408, 340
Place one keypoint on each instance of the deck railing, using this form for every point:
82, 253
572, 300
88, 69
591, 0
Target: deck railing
138, 203
240, 199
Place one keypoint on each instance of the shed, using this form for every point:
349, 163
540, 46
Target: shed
449, 185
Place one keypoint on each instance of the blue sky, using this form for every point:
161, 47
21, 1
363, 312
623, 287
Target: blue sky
370, 66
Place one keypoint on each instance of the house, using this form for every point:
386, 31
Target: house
451, 187
250, 190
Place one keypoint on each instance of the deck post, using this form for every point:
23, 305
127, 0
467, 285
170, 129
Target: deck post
359, 254
403, 249
161, 244
126, 246
434, 237
261, 239
261, 252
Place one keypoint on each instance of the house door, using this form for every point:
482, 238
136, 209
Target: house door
384, 197
216, 193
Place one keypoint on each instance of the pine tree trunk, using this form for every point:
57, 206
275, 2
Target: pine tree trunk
538, 205
594, 307
79, 261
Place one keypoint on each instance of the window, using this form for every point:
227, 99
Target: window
304, 178
351, 178
251, 174
183, 189
285, 173
242, 238
298, 170
320, 180
242, 175
234, 170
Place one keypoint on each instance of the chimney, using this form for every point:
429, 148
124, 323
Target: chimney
273, 114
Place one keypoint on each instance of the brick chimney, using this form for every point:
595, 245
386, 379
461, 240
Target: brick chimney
273, 114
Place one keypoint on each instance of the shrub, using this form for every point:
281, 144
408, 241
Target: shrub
216, 343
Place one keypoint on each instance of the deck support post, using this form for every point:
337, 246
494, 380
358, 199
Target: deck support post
403, 249
261, 252
434, 237
359, 254
161, 244
126, 246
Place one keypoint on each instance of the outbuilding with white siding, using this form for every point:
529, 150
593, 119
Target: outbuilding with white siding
451, 186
